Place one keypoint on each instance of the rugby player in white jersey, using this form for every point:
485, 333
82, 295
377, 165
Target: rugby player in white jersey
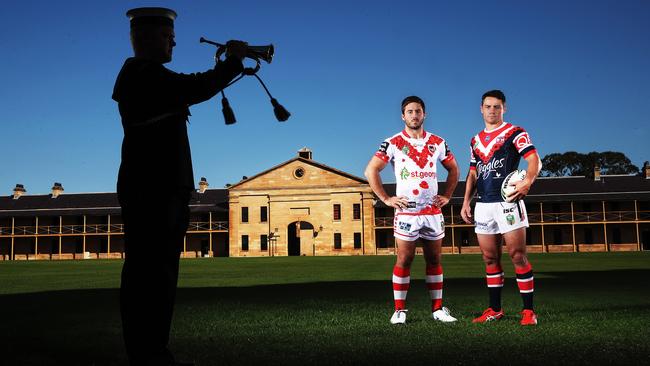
495, 152
414, 154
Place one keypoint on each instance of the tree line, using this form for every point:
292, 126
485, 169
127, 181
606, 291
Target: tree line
573, 163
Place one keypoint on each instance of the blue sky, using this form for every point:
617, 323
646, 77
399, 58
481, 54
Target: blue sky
576, 74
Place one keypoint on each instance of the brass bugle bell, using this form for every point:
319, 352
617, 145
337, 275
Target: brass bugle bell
255, 52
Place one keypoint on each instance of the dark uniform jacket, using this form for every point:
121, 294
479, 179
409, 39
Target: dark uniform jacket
154, 105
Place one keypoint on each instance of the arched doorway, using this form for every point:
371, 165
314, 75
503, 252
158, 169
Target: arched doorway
293, 236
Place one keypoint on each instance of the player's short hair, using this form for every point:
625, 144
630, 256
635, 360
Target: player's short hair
496, 93
413, 99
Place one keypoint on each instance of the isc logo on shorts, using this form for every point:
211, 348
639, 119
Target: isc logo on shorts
404, 226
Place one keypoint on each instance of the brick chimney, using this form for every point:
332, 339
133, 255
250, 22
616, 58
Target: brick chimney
19, 191
305, 153
203, 185
646, 170
57, 190
597, 172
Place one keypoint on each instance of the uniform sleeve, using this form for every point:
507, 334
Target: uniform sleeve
386, 151
472, 157
147, 91
195, 88
445, 154
523, 144
150, 84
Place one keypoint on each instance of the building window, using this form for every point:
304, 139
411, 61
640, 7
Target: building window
337, 212
464, 238
264, 243
382, 240
556, 208
244, 214
616, 236
337, 240
557, 236
589, 236
356, 211
357, 240
264, 217
244, 242
299, 172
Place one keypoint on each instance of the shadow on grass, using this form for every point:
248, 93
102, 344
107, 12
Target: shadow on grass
345, 323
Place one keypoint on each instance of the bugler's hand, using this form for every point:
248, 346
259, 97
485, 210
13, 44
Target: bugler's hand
236, 48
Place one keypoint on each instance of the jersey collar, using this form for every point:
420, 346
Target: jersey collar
405, 134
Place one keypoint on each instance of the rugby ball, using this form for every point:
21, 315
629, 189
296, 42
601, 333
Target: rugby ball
507, 186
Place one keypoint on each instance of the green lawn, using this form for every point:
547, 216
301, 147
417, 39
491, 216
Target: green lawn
593, 309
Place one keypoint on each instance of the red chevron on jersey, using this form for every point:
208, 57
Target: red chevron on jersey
419, 158
486, 143
494, 154
414, 162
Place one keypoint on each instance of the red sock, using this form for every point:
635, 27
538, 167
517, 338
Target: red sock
401, 283
434, 284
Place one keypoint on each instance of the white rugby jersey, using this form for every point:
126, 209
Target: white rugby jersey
414, 162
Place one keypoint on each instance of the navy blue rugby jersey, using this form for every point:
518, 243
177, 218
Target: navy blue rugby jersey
496, 153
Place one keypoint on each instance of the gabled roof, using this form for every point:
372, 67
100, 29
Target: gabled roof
306, 161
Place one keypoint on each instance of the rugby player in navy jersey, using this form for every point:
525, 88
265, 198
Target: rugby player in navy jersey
495, 152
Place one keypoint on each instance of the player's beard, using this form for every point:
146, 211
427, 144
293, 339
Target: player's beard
415, 124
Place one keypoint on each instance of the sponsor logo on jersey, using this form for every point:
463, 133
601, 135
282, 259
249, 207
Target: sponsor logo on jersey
423, 174
404, 174
491, 166
508, 210
384, 147
404, 226
511, 219
411, 204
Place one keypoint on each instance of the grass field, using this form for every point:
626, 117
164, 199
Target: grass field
593, 309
